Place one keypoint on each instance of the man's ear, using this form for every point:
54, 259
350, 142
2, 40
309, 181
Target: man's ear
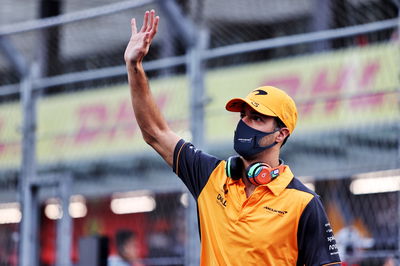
283, 133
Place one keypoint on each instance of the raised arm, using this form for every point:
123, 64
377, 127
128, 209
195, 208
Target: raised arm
155, 129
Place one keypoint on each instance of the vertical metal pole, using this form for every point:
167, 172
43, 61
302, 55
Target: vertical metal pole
398, 137
322, 17
64, 225
197, 90
29, 227
29, 252
197, 99
192, 250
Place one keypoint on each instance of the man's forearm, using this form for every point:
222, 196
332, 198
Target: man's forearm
154, 127
147, 113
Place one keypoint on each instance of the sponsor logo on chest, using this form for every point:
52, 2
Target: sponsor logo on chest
275, 211
221, 200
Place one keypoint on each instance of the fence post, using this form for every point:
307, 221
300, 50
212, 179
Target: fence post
28, 253
397, 258
64, 225
321, 18
197, 101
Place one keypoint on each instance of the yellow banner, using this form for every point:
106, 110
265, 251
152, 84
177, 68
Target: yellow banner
332, 90
90, 124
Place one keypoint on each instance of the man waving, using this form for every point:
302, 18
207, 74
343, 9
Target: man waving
252, 210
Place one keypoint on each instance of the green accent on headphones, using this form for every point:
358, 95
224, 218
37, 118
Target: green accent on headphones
250, 172
228, 167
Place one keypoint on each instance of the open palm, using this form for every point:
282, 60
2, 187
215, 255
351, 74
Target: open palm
139, 43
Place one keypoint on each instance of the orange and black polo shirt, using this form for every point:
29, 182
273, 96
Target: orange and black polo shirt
281, 223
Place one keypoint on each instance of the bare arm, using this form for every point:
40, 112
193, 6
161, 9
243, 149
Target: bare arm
155, 129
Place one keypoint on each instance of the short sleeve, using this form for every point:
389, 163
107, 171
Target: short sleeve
316, 243
193, 166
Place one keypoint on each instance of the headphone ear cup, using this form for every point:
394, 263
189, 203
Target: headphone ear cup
234, 167
263, 176
258, 173
252, 172
252, 169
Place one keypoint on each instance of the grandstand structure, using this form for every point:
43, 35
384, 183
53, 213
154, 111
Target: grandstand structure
67, 128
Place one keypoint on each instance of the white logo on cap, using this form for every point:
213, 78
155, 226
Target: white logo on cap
255, 104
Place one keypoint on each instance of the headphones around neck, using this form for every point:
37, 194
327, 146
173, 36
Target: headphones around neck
257, 173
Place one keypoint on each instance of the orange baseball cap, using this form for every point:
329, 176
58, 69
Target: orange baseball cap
269, 101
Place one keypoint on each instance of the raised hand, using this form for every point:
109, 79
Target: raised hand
139, 43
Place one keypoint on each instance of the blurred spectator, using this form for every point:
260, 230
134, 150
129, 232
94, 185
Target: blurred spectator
389, 262
127, 248
159, 239
351, 244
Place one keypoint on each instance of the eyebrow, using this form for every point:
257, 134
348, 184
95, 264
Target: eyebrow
253, 112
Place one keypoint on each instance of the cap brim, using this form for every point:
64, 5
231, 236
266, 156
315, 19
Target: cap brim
236, 105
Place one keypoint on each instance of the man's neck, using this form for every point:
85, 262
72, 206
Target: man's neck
271, 158
248, 187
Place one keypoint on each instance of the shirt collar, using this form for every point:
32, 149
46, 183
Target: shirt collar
281, 182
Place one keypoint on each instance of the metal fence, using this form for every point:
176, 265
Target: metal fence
68, 138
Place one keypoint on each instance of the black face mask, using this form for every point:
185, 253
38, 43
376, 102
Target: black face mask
247, 138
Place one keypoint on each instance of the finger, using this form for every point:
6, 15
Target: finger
133, 26
146, 41
147, 37
151, 20
145, 21
155, 27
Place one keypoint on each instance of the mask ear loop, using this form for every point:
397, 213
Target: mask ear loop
258, 138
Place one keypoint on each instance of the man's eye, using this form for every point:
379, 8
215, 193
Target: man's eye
257, 118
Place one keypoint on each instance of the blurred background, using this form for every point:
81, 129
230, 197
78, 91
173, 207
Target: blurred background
78, 185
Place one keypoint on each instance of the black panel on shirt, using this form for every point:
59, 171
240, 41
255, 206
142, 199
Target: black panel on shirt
193, 166
296, 184
316, 243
